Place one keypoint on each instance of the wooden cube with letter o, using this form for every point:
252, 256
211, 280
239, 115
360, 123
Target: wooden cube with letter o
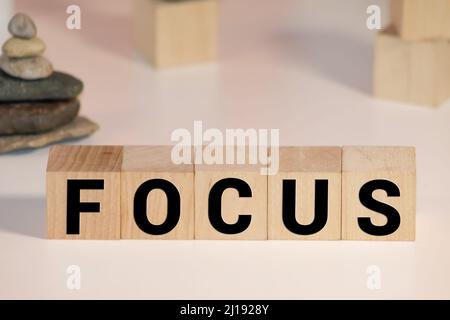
157, 195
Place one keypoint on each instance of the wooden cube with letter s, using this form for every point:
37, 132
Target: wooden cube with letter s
83, 192
378, 193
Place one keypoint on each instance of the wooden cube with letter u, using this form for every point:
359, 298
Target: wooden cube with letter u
175, 32
83, 192
157, 195
305, 194
378, 193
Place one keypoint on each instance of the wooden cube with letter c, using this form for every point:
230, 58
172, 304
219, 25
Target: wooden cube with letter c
83, 192
305, 194
157, 194
378, 193
230, 200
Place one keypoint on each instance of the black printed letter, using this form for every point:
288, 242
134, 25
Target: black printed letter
75, 207
320, 208
392, 215
215, 205
173, 206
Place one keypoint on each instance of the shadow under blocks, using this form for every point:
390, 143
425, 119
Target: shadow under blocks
24, 216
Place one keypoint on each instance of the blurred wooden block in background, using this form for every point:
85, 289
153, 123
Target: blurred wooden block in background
163, 185
171, 33
386, 175
94, 172
314, 171
421, 19
415, 72
249, 202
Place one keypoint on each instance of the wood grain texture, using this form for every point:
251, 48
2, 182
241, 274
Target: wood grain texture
84, 162
171, 33
414, 72
206, 176
415, 20
306, 165
143, 163
363, 164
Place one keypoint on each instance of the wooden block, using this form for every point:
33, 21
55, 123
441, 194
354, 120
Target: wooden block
311, 178
421, 19
77, 176
378, 183
240, 212
413, 72
166, 193
171, 33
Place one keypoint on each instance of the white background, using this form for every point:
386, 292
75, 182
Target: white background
5, 14
304, 67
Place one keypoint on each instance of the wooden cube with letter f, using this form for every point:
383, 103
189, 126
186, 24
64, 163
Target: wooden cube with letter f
83, 192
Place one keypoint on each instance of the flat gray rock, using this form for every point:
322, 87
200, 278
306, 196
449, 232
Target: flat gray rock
36, 117
59, 86
80, 127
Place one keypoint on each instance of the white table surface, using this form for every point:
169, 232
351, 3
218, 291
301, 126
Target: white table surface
301, 66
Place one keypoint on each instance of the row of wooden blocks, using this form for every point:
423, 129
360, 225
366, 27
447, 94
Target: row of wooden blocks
319, 193
412, 56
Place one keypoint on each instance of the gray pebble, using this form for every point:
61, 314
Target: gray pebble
22, 26
27, 68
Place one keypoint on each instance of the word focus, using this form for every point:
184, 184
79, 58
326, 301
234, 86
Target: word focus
318, 193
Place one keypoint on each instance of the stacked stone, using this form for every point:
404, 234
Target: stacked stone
38, 105
22, 53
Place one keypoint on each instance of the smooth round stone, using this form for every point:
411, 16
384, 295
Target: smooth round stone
59, 86
22, 26
36, 117
23, 48
27, 68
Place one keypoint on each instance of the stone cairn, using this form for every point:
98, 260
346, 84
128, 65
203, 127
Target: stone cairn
38, 106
